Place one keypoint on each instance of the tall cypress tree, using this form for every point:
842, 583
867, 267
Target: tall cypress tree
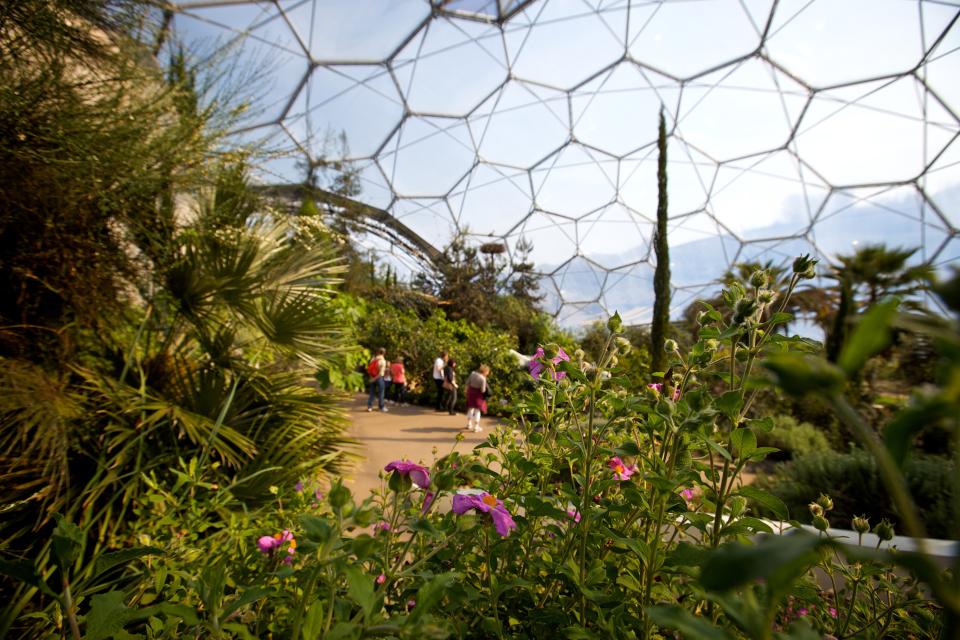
661, 277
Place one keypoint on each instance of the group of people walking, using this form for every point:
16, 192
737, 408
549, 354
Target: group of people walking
384, 376
445, 381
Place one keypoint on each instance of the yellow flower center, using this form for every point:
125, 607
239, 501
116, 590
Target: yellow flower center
489, 500
293, 544
619, 469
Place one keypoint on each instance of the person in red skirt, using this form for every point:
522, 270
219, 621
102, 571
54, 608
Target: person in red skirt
477, 392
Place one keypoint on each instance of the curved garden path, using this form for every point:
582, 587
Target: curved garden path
410, 432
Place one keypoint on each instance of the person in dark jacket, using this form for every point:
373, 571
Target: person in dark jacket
450, 386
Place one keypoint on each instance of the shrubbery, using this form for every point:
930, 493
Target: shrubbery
857, 489
793, 438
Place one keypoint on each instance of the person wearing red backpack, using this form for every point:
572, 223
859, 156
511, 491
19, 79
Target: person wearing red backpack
377, 370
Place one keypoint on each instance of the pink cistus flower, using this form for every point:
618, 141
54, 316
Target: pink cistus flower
658, 387
573, 514
536, 364
427, 501
381, 579
486, 503
269, 544
418, 474
620, 469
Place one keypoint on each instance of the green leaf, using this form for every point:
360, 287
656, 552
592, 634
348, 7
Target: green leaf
25, 571
871, 336
744, 441
313, 621
718, 448
763, 424
767, 499
181, 611
899, 433
689, 626
430, 594
67, 541
800, 375
250, 595
730, 404
360, 587
628, 448
316, 528
110, 560
747, 525
777, 559
107, 616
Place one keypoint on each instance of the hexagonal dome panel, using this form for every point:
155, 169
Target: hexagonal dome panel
793, 126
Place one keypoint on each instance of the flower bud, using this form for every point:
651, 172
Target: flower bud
884, 530
825, 501
815, 509
805, 267
623, 344
861, 524
670, 346
550, 351
614, 361
579, 355
743, 309
820, 523
703, 318
615, 324
766, 296
711, 345
759, 278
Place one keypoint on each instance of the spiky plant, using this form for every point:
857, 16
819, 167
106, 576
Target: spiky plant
661, 279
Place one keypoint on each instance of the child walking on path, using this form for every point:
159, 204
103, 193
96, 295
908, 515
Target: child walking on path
477, 391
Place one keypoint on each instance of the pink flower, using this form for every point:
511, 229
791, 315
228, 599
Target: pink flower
418, 474
268, 544
427, 501
802, 611
381, 579
687, 494
536, 364
573, 514
383, 525
658, 387
486, 503
411, 603
620, 469
833, 612
298, 487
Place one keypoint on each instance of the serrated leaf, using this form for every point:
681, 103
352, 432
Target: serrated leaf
360, 588
730, 404
25, 571
744, 441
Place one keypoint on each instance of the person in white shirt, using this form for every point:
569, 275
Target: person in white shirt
438, 366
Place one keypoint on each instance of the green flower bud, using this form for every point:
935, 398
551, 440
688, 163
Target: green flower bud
815, 509
684, 460
579, 355
820, 523
759, 278
766, 296
623, 344
711, 345
861, 524
671, 346
884, 530
825, 502
614, 361
615, 324
550, 351
702, 318
805, 267
743, 309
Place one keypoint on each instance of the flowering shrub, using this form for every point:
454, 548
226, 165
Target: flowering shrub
604, 512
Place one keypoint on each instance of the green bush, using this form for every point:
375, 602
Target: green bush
857, 489
793, 438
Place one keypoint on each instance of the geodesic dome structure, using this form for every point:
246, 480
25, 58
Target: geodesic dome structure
795, 126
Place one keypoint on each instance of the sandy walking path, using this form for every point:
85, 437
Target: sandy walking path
410, 432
